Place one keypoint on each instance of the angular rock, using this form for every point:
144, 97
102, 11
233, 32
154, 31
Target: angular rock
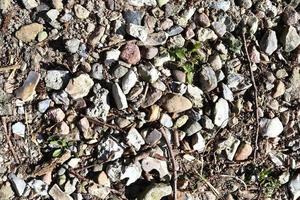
149, 52
279, 90
206, 122
153, 137
290, 16
135, 139
137, 31
18, 129
58, 4
97, 71
290, 39
112, 56
30, 4
166, 120
230, 145
204, 34
148, 72
27, 90
173, 103
119, 97
221, 113
44, 105
215, 62
17, 183
72, 45
4, 5
133, 16
99, 191
268, 43
79, 86
294, 186
202, 19
198, 142
219, 28
109, 150
131, 53
6, 191
271, 127
81, 12
128, 81
149, 164
55, 79
56, 115
194, 94
207, 79
157, 192
227, 93
133, 172
28, 32
156, 39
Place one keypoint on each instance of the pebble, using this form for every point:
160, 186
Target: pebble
79, 86
179, 75
173, 103
129, 81
98, 191
192, 127
149, 52
137, 31
52, 14
97, 71
55, 79
204, 34
227, 93
230, 145
19, 129
207, 123
17, 183
30, 4
135, 139
221, 5
215, 62
72, 45
29, 32
166, 120
133, 16
27, 90
57, 194
102, 179
154, 113
109, 150
56, 115
131, 53
58, 4
290, 39
119, 97
156, 39
62, 128
279, 90
120, 71
159, 190
221, 113
132, 172
294, 186
4, 5
219, 28
161, 59
207, 78
254, 55
60, 98
149, 164
162, 2
153, 137
290, 16
268, 43
42, 36
81, 12
271, 127
148, 72
198, 142
202, 19
112, 56
243, 152
245, 3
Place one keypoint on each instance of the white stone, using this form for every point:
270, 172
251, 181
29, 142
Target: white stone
52, 14
149, 164
119, 97
135, 139
294, 187
18, 184
109, 149
19, 129
137, 31
221, 113
133, 172
113, 55
198, 142
44, 105
227, 93
39, 187
29, 4
166, 120
81, 12
79, 86
271, 127
128, 81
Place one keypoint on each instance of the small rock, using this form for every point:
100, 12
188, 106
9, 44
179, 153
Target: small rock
157, 191
227, 93
279, 90
27, 90
81, 12
269, 42
52, 14
153, 137
202, 19
243, 152
148, 72
18, 129
30, 4
58, 4
79, 86
161, 59
55, 79
109, 150
17, 183
73, 45
149, 52
221, 113
74, 162
70, 186
198, 142
175, 30
181, 121
254, 55
133, 172
221, 5
42, 36
103, 179
99, 191
192, 127
207, 123
219, 28
97, 71
207, 79
133, 16
119, 97
166, 120
245, 3
6, 191
215, 62
230, 146
135, 139
294, 186
112, 56
120, 71
62, 128
156, 39
128, 81
140, 3
149, 164
154, 113
56, 115
137, 31
4, 5
290, 16
271, 127
290, 39
60, 98
131, 53
179, 75
162, 2
44, 105
284, 177
204, 34
173, 103
28, 33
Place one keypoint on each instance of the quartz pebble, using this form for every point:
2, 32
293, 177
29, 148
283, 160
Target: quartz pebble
119, 97
271, 127
18, 129
221, 113
79, 86
17, 183
269, 42
81, 12
135, 139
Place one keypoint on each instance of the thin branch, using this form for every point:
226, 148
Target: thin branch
172, 157
10, 67
101, 123
255, 95
7, 135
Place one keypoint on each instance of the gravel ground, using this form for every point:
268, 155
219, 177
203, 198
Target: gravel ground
149, 99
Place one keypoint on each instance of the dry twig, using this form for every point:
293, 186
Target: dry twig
255, 96
173, 162
101, 123
10, 67
7, 135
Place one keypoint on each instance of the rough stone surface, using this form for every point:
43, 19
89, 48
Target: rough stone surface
55, 79
119, 97
207, 78
290, 38
271, 127
81, 12
221, 113
269, 42
157, 191
79, 86
28, 32
175, 103
131, 53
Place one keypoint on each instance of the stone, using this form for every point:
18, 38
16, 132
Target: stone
207, 79
109, 150
81, 12
129, 81
234, 79
221, 5
219, 28
79, 86
96, 36
148, 72
17, 183
112, 56
70, 186
279, 90
243, 152
157, 191
215, 62
120, 71
18, 128
290, 39
192, 127
58, 4
29, 32
6, 191
156, 39
98, 191
221, 113
161, 59
194, 94
149, 52
30, 4
149, 164
119, 97
52, 14
140, 3
166, 120
113, 171
271, 127
227, 93
294, 186
186, 16
135, 139
55, 79
27, 90
204, 34
132, 173
153, 137
173, 103
254, 55
245, 3
175, 30
60, 98
179, 75
102, 179
198, 142
130, 53
137, 31
268, 43
230, 145
56, 115
4, 5
57, 194
42, 36
133, 16
154, 113
290, 16
159, 85
62, 128
162, 2
295, 83
207, 123
97, 71
202, 19
72, 45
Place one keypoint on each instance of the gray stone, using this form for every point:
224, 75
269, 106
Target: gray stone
52, 14
135, 139
137, 31
194, 94
133, 16
290, 16
109, 150
79, 86
153, 137
151, 98
221, 5
234, 79
112, 56
149, 164
186, 16
157, 191
60, 98
39, 187
173, 103
290, 38
17, 183
245, 3
148, 72
149, 52
271, 127
161, 59
175, 30
227, 93
55, 79
57, 194
72, 45
215, 62
192, 127
221, 113
268, 43
207, 79
207, 123
119, 97
128, 81
219, 28
294, 186
18, 129
204, 34
97, 71
81, 12
30, 4
156, 39
140, 3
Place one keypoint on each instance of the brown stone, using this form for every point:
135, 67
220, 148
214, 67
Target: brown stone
131, 53
28, 32
243, 152
174, 103
28, 88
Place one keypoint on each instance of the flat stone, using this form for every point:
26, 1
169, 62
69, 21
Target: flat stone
221, 113
179, 75
227, 93
119, 97
156, 39
290, 39
137, 31
58, 4
149, 52
219, 28
151, 98
173, 103
27, 90
131, 53
112, 56
99, 191
128, 81
72, 45
290, 16
271, 127
52, 14
42, 36
268, 43
194, 94
207, 123
18, 129
57, 194
60, 98
109, 150
103, 179
207, 79
135, 139
55, 79
221, 5
17, 183
56, 115
29, 32
215, 62
120, 71
132, 172
79, 86
153, 137
140, 3
204, 34
81, 12
243, 152
157, 191
133, 16
202, 19
154, 113
30, 4
62, 128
